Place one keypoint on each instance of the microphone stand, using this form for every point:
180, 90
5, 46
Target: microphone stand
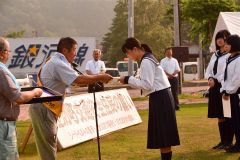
96, 118
95, 109
74, 65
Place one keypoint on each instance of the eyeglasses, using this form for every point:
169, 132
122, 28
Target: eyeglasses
126, 53
9, 51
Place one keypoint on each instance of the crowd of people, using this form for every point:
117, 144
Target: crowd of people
157, 80
224, 82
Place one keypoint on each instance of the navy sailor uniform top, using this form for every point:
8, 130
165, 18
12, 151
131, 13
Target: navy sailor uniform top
231, 76
152, 77
217, 66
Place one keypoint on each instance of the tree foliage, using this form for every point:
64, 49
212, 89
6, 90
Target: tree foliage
57, 18
150, 28
15, 34
203, 15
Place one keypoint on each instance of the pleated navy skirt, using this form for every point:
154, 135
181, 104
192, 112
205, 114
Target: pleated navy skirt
215, 107
162, 124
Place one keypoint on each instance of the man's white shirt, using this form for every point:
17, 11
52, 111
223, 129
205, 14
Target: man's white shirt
95, 66
170, 65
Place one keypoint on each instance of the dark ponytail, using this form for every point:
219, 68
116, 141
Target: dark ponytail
234, 41
131, 42
146, 48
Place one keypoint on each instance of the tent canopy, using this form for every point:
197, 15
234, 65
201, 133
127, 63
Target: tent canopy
229, 21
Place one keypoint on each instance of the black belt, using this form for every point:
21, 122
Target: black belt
7, 119
173, 78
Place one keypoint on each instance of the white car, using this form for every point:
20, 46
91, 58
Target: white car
113, 72
190, 71
122, 67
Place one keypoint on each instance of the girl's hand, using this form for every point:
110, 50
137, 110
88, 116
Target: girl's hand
225, 97
121, 80
211, 82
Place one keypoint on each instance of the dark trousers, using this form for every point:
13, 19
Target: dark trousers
98, 87
174, 87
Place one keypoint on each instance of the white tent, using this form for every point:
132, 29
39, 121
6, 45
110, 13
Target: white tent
229, 21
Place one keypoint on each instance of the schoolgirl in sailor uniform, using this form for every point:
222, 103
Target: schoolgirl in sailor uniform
214, 74
162, 125
231, 85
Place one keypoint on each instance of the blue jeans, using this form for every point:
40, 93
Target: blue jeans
8, 141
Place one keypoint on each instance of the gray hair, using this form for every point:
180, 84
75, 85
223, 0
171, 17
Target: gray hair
2, 44
97, 50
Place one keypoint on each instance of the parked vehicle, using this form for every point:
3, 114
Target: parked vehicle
190, 71
113, 72
122, 67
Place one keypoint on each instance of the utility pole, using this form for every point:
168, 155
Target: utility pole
130, 31
176, 23
35, 33
177, 40
200, 58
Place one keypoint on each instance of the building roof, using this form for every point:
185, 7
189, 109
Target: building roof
229, 21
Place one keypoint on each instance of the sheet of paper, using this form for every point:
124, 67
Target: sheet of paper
115, 79
46, 94
226, 108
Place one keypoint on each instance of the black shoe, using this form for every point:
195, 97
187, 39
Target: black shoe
217, 146
233, 149
225, 146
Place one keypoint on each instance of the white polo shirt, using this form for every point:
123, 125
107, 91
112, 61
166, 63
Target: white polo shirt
170, 65
95, 66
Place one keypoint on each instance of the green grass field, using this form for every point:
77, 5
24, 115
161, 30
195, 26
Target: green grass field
197, 133
180, 96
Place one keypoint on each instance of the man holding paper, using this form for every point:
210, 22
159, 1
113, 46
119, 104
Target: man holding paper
57, 74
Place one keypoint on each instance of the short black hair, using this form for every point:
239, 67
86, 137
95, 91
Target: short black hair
234, 41
169, 48
224, 34
66, 42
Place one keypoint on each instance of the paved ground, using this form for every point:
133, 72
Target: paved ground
134, 93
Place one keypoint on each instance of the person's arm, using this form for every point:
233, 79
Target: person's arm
88, 68
175, 73
177, 68
68, 76
89, 72
103, 68
146, 76
162, 64
235, 79
89, 79
9, 90
28, 95
208, 73
168, 74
